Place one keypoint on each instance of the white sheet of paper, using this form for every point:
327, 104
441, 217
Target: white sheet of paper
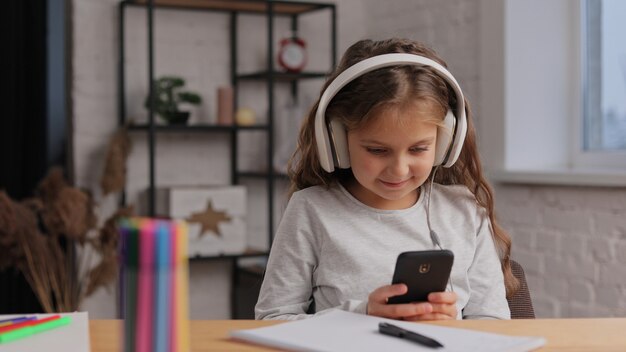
72, 337
345, 331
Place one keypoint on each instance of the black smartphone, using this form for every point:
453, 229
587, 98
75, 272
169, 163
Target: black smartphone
423, 272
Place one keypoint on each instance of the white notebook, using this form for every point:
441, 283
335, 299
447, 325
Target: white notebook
71, 337
345, 331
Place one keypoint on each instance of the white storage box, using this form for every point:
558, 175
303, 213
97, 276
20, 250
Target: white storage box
216, 216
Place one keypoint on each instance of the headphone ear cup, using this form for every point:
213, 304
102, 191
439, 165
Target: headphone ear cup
339, 144
444, 138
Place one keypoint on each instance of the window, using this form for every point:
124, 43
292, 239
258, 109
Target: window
604, 78
551, 110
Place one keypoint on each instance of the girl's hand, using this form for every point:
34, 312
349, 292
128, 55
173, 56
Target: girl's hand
440, 305
443, 307
377, 304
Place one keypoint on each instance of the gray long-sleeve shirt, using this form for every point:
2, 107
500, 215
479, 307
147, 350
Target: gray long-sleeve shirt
330, 251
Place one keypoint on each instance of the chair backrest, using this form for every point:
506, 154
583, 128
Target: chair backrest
520, 304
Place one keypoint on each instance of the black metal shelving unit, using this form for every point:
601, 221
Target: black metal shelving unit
233, 8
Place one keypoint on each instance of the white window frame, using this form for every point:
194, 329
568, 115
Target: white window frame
586, 158
530, 109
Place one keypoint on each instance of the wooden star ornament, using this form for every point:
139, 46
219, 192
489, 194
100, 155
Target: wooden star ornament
209, 219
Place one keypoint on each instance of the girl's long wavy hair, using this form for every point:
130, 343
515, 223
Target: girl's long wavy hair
395, 87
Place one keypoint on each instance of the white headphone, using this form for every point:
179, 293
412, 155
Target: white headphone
450, 136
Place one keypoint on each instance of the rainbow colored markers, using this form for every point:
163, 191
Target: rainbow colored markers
28, 327
154, 283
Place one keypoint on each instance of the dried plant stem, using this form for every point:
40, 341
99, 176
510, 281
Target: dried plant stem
47, 239
56, 278
86, 262
52, 275
36, 278
83, 261
76, 283
65, 276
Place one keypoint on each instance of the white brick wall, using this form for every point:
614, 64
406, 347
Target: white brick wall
570, 240
195, 46
573, 253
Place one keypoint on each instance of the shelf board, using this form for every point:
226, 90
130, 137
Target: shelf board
282, 76
252, 127
182, 128
248, 253
259, 174
249, 6
195, 128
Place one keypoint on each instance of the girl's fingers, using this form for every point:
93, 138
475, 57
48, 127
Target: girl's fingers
400, 311
382, 294
429, 316
440, 305
446, 309
442, 297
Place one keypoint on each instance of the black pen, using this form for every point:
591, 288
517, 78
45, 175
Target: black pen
396, 331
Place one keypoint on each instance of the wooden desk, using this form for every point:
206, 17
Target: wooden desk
604, 334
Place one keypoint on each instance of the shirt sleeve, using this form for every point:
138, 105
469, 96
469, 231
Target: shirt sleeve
487, 291
287, 289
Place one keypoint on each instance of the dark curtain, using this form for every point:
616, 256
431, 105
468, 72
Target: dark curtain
22, 123
23, 96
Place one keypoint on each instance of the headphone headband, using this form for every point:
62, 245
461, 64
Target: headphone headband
371, 64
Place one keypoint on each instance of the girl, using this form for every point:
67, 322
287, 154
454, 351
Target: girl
387, 118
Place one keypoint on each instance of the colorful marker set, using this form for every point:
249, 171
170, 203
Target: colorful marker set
155, 285
18, 328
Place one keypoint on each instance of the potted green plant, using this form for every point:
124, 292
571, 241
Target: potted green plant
168, 96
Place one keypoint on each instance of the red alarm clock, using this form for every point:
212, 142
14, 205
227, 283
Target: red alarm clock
292, 54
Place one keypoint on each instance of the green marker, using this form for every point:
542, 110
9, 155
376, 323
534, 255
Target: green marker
34, 329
